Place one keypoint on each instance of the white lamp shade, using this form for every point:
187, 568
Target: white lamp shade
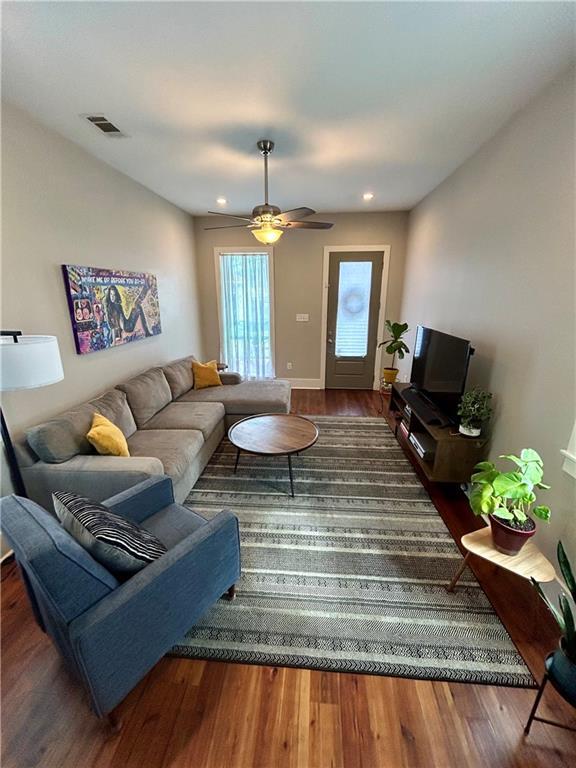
34, 361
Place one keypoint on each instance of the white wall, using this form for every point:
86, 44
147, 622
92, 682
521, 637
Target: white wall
61, 205
491, 257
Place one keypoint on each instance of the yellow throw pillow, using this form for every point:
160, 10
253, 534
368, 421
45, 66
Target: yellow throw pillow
106, 437
206, 374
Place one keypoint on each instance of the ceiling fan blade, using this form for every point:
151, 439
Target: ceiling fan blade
296, 213
230, 215
229, 226
308, 225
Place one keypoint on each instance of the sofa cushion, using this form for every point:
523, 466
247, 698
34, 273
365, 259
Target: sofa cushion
114, 405
179, 376
147, 394
176, 448
64, 436
117, 543
202, 416
172, 524
248, 397
230, 377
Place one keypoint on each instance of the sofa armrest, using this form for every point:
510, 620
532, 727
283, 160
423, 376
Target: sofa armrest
118, 640
230, 377
142, 500
97, 477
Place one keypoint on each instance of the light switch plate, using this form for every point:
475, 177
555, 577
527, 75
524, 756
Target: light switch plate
302, 318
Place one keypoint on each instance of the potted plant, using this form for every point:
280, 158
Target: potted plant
508, 498
474, 409
563, 661
394, 346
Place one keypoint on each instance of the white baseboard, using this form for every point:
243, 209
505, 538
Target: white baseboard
305, 383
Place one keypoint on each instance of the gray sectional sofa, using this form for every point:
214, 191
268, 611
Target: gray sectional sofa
170, 427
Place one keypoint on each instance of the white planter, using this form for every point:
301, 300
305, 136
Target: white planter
469, 431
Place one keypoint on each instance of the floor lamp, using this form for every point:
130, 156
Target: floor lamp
26, 362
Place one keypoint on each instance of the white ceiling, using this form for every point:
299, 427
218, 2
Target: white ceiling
386, 97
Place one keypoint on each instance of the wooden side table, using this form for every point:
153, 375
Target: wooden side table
528, 563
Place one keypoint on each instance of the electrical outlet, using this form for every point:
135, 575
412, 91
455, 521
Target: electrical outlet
289, 366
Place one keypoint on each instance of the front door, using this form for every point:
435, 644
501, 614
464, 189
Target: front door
353, 304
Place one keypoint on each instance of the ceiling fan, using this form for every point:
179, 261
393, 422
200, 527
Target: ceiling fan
268, 222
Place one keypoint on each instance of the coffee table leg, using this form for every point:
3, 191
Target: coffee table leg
291, 477
237, 460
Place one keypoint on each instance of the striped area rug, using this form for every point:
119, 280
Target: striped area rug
350, 575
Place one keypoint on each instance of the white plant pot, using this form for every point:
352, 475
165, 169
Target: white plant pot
469, 431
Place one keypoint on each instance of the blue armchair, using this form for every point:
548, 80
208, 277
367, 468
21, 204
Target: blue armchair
110, 633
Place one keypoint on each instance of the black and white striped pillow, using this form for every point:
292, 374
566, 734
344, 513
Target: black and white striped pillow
118, 544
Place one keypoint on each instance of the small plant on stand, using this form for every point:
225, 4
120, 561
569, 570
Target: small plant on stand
508, 498
474, 410
395, 345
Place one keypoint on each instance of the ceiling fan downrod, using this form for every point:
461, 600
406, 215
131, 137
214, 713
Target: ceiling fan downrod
265, 146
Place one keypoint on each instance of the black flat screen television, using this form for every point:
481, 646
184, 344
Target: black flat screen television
439, 368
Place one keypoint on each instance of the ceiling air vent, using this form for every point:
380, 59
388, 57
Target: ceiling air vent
104, 125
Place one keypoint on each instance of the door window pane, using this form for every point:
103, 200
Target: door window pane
353, 312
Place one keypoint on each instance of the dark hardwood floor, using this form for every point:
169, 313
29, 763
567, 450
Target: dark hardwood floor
195, 714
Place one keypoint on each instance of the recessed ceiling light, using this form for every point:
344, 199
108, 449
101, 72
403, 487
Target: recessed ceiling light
368, 196
221, 200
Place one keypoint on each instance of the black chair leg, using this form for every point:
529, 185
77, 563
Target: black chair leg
536, 703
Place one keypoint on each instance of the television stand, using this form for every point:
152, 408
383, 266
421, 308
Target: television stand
441, 452
427, 411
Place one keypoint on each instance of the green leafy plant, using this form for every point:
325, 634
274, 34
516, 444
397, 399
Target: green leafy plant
564, 617
475, 408
395, 344
510, 495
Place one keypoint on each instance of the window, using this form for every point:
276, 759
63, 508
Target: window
353, 315
245, 290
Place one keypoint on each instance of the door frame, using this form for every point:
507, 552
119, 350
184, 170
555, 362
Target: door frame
243, 249
328, 249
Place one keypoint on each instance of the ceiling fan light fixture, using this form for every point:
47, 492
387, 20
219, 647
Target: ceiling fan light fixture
267, 235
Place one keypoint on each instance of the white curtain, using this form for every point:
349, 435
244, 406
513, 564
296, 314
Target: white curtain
246, 313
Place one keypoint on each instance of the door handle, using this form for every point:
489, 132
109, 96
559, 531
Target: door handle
330, 339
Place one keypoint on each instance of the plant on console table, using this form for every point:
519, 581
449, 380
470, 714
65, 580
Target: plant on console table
509, 499
474, 410
395, 345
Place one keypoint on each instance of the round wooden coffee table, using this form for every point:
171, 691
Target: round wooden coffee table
273, 434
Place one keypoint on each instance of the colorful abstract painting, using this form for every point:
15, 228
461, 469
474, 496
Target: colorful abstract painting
110, 307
